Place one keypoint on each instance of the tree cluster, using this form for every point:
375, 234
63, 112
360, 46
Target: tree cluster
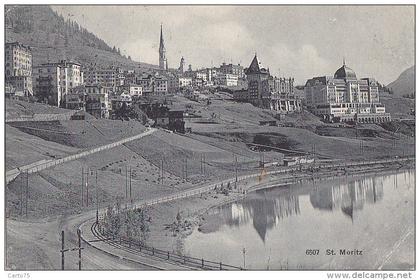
131, 224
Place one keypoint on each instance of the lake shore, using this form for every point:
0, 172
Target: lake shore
168, 233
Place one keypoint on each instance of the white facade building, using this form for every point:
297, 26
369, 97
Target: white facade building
345, 98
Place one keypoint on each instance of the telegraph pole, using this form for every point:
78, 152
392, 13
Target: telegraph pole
62, 250
126, 186
244, 253
80, 248
87, 187
204, 163
27, 193
131, 199
161, 171
236, 170
83, 182
186, 169
263, 158
97, 204
21, 196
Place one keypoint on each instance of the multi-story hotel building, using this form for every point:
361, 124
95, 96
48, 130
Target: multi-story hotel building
110, 77
153, 84
227, 79
268, 92
53, 81
97, 100
233, 69
18, 68
344, 98
185, 81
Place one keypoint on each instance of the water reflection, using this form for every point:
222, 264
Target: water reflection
347, 212
265, 208
349, 197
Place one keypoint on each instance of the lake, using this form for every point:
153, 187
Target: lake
355, 222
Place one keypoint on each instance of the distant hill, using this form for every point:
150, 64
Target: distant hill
405, 84
53, 38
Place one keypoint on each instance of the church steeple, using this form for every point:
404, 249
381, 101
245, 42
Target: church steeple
162, 43
163, 63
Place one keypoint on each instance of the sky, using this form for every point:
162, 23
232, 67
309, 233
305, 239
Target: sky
293, 41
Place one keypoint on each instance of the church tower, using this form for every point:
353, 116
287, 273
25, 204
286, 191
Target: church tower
182, 65
163, 62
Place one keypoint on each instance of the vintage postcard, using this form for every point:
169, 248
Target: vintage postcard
209, 137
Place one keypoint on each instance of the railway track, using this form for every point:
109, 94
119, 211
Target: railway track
182, 262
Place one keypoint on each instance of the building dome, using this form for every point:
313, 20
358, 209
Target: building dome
345, 72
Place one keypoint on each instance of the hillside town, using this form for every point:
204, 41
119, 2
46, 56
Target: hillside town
163, 165
102, 91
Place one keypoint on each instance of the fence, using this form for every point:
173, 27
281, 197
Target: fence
215, 186
44, 164
138, 247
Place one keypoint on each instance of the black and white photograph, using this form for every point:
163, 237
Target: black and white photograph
229, 137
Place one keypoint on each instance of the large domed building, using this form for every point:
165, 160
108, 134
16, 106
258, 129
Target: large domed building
345, 72
344, 98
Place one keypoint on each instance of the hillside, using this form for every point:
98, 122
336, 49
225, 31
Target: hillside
405, 84
53, 38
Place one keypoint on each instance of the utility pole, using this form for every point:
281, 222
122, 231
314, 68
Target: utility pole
21, 196
27, 193
186, 169
263, 158
161, 171
361, 146
126, 186
97, 202
201, 163
131, 198
87, 187
83, 182
236, 170
62, 250
80, 248
243, 253
204, 163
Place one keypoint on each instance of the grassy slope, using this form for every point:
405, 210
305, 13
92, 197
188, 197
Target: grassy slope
22, 148
83, 133
18, 108
404, 84
398, 107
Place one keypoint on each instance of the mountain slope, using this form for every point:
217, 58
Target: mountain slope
405, 84
53, 38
